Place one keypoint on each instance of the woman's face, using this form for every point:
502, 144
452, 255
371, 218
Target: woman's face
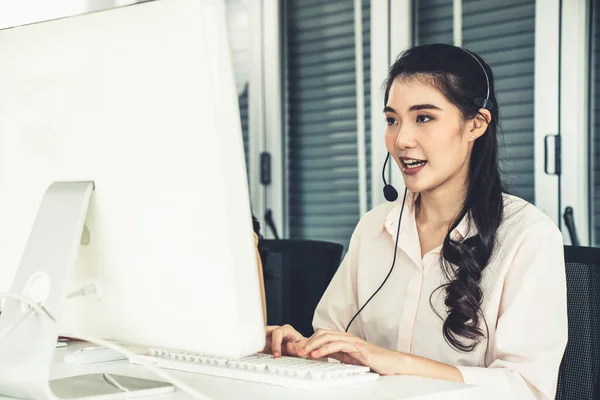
427, 136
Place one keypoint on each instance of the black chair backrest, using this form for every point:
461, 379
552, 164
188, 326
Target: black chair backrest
580, 369
297, 272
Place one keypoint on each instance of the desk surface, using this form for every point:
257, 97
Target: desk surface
388, 387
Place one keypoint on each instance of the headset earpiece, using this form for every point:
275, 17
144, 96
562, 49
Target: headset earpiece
480, 101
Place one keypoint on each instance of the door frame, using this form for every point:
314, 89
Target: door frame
575, 116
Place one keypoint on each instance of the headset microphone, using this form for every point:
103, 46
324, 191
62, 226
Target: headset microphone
389, 192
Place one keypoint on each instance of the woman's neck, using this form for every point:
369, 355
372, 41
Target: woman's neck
439, 207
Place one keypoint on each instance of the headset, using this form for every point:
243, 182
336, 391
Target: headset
391, 194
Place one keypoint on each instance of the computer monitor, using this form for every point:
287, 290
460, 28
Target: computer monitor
141, 101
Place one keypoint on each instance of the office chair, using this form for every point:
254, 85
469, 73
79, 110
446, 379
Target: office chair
580, 368
570, 224
297, 272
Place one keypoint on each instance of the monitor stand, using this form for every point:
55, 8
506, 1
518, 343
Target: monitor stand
27, 350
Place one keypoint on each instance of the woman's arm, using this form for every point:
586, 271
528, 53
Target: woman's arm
261, 280
421, 366
350, 349
339, 302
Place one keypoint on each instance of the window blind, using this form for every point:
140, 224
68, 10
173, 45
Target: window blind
323, 197
434, 21
503, 34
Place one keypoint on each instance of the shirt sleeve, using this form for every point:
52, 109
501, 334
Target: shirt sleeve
339, 302
531, 331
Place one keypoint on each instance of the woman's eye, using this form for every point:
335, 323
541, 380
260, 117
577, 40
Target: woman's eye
391, 121
421, 119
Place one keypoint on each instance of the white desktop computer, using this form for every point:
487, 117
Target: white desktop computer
124, 206
139, 104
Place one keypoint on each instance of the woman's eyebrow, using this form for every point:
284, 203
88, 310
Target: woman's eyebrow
416, 107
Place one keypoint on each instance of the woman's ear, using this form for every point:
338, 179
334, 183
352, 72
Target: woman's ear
479, 124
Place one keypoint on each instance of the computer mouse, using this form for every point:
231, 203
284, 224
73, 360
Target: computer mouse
94, 354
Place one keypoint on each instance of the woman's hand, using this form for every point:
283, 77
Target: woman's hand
283, 341
352, 350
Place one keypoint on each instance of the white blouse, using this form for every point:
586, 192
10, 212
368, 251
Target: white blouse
524, 298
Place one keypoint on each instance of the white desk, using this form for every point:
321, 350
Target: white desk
388, 388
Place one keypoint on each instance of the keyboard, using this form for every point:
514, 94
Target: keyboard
291, 372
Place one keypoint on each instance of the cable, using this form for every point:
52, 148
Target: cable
105, 343
391, 269
383, 169
389, 192
31, 303
112, 381
16, 323
84, 291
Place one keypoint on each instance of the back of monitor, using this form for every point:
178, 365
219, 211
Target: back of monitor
141, 101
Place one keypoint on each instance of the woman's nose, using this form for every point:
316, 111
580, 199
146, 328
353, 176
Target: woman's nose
404, 138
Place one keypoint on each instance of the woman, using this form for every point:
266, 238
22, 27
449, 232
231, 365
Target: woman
478, 293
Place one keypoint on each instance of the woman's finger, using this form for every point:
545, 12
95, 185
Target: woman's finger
319, 340
276, 340
321, 332
334, 347
283, 334
271, 328
267, 348
348, 358
292, 348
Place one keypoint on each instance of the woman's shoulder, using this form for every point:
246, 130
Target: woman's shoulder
373, 221
521, 216
527, 240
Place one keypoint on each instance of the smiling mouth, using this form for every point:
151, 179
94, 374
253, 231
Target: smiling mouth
411, 164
